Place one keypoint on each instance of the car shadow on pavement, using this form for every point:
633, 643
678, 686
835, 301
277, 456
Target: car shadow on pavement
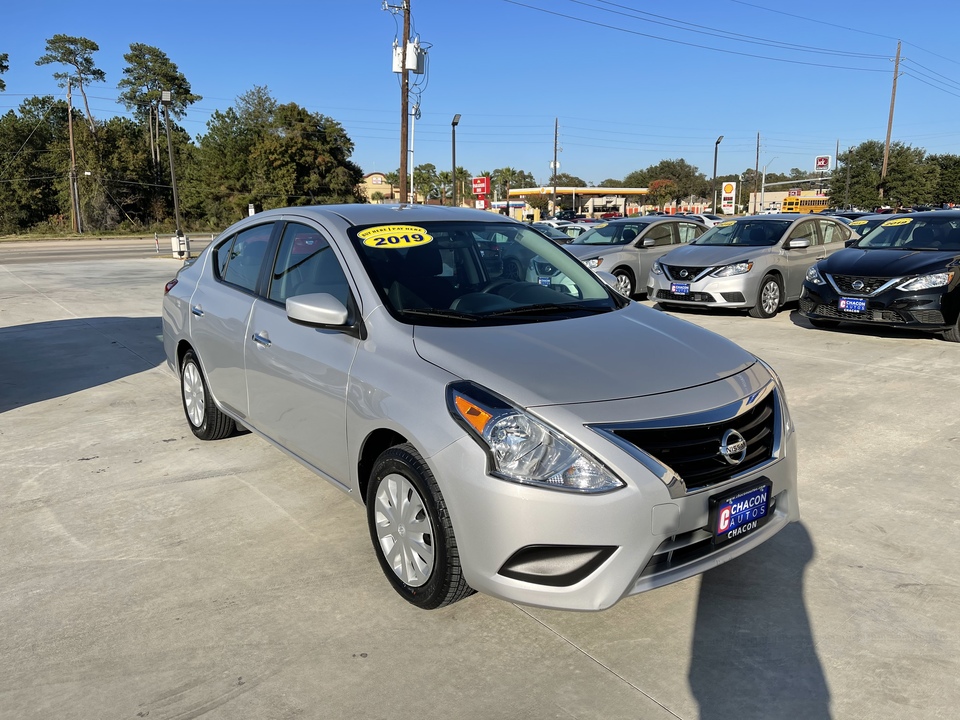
40, 361
753, 654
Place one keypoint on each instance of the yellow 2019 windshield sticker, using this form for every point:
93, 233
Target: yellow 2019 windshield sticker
725, 223
855, 223
898, 221
394, 237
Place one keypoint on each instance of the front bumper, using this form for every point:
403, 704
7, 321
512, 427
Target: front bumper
894, 308
738, 291
592, 550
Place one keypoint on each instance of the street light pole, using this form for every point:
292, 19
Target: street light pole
716, 148
453, 147
763, 183
166, 98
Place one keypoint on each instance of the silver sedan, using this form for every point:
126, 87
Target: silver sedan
755, 262
628, 247
493, 439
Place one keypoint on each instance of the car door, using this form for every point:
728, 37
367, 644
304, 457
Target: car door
664, 236
297, 375
220, 312
798, 260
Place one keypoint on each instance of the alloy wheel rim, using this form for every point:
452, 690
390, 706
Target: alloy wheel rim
623, 285
771, 297
193, 395
404, 530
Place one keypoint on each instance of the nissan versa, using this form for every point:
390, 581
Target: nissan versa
903, 274
756, 262
495, 439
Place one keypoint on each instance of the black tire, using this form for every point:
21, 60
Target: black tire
769, 298
953, 334
512, 270
824, 324
430, 576
626, 285
203, 416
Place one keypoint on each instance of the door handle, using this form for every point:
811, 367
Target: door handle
197, 310
261, 339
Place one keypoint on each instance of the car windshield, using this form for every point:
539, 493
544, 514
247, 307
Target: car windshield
750, 232
619, 233
453, 273
907, 233
864, 227
552, 232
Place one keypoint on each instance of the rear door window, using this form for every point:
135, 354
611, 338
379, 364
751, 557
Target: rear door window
245, 256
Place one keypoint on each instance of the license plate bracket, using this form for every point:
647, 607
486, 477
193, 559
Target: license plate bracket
680, 288
857, 305
740, 510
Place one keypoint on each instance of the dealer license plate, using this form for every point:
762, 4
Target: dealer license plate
740, 511
853, 304
680, 288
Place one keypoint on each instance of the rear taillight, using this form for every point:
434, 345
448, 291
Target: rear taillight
169, 286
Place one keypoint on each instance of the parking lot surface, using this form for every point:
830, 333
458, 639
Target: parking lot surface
148, 574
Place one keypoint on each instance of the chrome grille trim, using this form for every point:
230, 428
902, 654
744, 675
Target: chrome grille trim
841, 283
675, 483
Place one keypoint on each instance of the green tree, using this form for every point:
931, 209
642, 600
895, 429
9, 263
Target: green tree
567, 180
662, 191
911, 178
424, 179
610, 182
76, 53
948, 188
148, 73
638, 178
4, 66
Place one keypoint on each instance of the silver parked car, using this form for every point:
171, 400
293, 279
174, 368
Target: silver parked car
628, 247
754, 262
495, 440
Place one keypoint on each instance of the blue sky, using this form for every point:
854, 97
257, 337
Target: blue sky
629, 88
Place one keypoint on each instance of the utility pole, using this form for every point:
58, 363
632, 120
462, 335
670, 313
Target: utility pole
77, 226
893, 100
183, 248
404, 102
756, 176
556, 135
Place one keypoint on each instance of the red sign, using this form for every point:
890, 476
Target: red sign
823, 163
481, 185
794, 193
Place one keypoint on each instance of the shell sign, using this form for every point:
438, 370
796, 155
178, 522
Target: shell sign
728, 200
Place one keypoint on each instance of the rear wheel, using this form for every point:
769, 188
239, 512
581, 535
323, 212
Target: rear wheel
769, 297
411, 531
204, 417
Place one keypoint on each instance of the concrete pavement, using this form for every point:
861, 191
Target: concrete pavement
147, 574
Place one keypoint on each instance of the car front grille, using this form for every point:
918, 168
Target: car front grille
870, 284
674, 272
689, 297
692, 450
887, 316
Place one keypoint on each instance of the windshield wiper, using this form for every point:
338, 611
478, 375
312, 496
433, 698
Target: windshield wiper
436, 313
546, 309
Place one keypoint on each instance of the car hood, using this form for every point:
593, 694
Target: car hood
885, 263
712, 255
583, 252
627, 353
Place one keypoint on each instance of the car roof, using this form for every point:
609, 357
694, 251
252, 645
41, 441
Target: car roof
394, 214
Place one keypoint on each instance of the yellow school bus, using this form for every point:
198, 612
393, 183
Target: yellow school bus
804, 204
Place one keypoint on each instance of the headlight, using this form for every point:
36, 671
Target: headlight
521, 448
925, 282
656, 269
593, 263
735, 269
814, 276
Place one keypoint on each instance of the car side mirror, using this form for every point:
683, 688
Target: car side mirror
797, 243
851, 242
609, 279
317, 309
648, 242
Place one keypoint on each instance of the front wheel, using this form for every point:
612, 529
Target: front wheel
625, 285
204, 417
953, 334
411, 531
768, 298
